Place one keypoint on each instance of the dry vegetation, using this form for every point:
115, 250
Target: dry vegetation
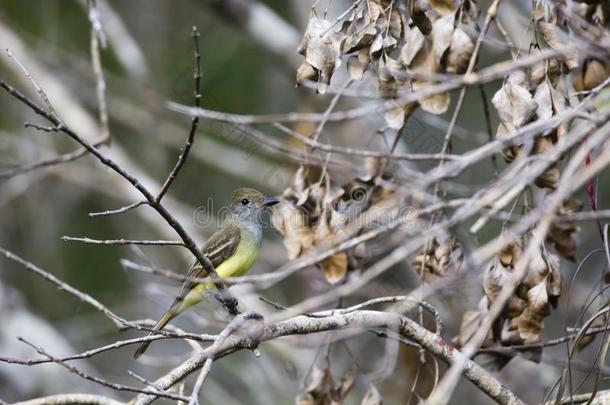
483, 237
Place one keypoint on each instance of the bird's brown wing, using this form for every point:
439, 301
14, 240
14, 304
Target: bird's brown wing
220, 246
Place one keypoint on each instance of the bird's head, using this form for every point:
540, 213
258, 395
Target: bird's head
248, 204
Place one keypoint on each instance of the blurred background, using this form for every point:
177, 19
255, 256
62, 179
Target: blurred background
249, 60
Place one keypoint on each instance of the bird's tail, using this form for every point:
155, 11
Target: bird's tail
167, 316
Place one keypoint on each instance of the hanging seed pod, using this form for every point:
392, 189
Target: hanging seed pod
437, 260
561, 234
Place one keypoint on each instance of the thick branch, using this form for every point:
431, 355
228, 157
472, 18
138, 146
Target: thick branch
358, 319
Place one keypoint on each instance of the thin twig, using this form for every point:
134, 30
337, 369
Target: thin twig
43, 96
69, 399
118, 210
66, 287
65, 158
98, 39
483, 76
362, 152
112, 346
231, 327
194, 121
41, 127
157, 206
123, 241
105, 383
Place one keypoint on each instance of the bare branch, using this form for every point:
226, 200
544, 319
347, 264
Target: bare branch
123, 241
98, 39
194, 121
114, 386
118, 210
66, 399
356, 319
118, 321
169, 218
483, 76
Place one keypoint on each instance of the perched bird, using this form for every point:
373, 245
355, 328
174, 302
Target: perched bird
232, 249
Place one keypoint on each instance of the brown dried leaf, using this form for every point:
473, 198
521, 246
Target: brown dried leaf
395, 118
355, 67
437, 260
443, 6
436, 104
322, 49
538, 70
553, 36
396, 24
586, 340
460, 52
549, 178
509, 255
414, 42
359, 30
595, 73
530, 322
389, 76
442, 33
561, 232
418, 14
554, 279
318, 386
514, 103
514, 307
324, 56
291, 223
335, 268
510, 152
306, 72
495, 277
345, 385
544, 99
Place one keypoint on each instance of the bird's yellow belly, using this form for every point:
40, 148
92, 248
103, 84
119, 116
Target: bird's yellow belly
235, 266
240, 262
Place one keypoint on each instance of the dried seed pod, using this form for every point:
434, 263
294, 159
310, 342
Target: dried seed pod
595, 73
460, 52
356, 67
561, 232
550, 177
586, 340
390, 73
306, 72
418, 9
556, 38
319, 215
510, 153
522, 319
321, 389
321, 46
514, 103
437, 259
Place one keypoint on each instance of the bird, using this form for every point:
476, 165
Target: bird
232, 250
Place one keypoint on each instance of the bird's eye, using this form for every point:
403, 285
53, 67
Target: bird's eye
245, 201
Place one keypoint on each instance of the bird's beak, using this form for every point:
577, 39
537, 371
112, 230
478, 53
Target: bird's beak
269, 201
